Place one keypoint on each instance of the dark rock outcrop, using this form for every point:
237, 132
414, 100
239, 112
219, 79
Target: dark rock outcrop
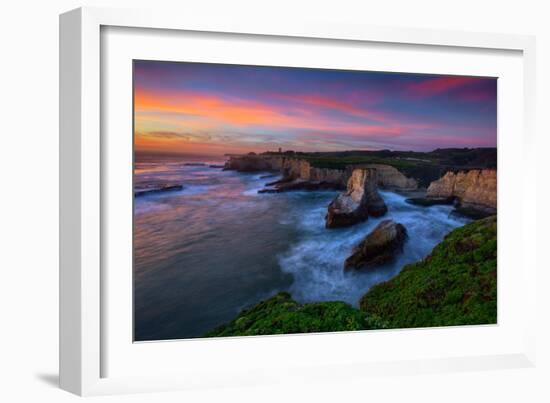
157, 189
248, 163
430, 201
360, 200
298, 184
378, 247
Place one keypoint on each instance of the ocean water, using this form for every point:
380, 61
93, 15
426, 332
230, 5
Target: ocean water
203, 253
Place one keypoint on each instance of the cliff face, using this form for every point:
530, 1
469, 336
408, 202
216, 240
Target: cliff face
390, 178
292, 168
475, 187
295, 168
360, 200
247, 163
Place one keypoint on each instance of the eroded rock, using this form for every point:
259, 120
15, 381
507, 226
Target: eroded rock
156, 189
389, 177
474, 188
360, 200
378, 247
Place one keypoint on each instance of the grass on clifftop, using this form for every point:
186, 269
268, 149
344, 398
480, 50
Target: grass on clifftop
425, 167
455, 285
282, 315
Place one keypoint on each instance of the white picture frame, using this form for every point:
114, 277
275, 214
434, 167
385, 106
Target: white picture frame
83, 308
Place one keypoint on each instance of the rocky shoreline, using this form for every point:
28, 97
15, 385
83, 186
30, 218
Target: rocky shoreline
470, 249
296, 169
157, 189
455, 285
472, 192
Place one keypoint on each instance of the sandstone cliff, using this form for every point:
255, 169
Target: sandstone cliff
294, 168
360, 200
389, 177
477, 188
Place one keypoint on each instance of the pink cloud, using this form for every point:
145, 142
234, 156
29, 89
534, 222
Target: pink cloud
438, 85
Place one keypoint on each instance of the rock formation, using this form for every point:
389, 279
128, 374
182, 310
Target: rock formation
360, 200
378, 247
157, 189
475, 188
294, 168
247, 163
389, 177
298, 184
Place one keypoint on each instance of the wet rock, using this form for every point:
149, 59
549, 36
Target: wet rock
378, 247
157, 189
298, 184
430, 201
473, 211
360, 200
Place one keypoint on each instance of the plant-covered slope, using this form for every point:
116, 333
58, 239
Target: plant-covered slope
282, 315
455, 285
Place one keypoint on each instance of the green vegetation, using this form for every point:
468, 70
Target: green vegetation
455, 285
425, 167
282, 315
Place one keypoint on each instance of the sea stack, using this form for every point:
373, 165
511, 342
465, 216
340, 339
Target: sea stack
360, 200
378, 247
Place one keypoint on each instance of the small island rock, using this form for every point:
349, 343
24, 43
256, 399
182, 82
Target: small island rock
378, 247
360, 200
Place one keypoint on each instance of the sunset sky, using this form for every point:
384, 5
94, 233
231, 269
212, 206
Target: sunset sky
212, 109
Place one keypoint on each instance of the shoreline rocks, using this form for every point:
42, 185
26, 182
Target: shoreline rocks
456, 284
473, 193
360, 200
294, 168
158, 189
430, 201
378, 247
298, 184
474, 188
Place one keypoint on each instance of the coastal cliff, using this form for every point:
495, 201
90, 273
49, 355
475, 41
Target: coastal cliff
476, 188
389, 177
455, 285
294, 168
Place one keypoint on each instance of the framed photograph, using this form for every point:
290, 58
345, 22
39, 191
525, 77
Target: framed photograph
241, 201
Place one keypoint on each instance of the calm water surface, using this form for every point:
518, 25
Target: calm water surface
204, 253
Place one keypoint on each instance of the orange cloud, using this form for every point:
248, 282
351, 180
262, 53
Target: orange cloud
235, 112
